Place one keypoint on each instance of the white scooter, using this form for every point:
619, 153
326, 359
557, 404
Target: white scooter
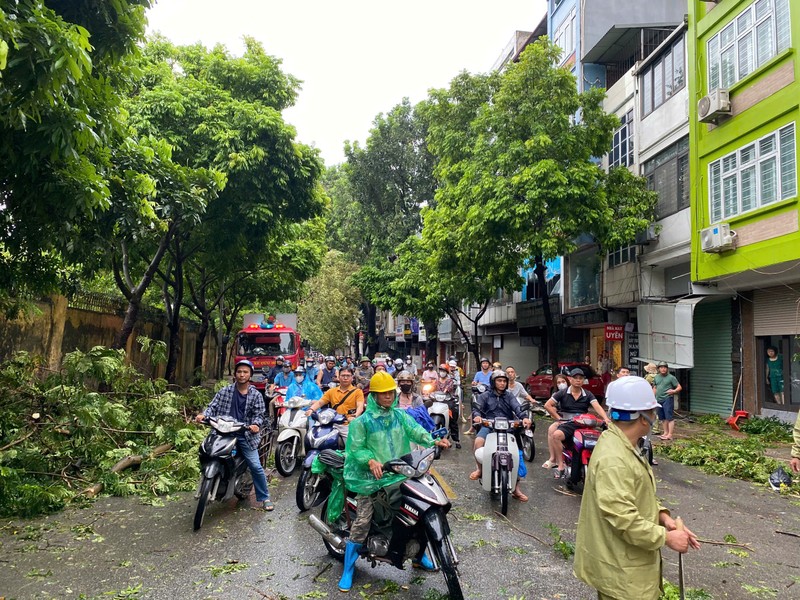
499, 459
292, 427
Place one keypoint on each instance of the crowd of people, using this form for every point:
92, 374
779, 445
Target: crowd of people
621, 527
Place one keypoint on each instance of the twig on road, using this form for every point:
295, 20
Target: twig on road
714, 543
517, 529
264, 594
318, 575
788, 533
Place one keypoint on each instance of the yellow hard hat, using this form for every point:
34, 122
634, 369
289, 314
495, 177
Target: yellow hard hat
382, 382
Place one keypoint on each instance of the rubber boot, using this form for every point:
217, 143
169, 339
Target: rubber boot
350, 558
424, 563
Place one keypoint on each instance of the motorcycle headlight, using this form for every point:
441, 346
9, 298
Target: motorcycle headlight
296, 402
325, 417
406, 470
423, 467
440, 397
224, 426
501, 424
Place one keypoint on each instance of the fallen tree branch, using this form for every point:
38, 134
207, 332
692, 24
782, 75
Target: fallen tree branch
518, 530
126, 463
788, 533
127, 431
18, 441
318, 575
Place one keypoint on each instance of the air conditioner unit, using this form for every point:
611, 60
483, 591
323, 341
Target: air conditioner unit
648, 235
713, 106
717, 238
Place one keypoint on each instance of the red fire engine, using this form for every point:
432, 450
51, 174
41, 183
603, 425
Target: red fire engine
261, 340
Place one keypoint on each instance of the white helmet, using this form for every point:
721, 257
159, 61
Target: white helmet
453, 364
630, 394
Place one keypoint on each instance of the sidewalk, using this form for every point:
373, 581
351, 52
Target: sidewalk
715, 507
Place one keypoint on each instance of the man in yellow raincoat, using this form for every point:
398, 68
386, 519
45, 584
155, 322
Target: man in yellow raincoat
383, 432
622, 527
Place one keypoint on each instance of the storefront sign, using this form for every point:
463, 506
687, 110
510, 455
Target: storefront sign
633, 353
615, 333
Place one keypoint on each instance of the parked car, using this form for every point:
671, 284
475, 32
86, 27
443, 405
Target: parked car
540, 383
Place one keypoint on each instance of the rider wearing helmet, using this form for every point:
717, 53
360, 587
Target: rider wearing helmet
410, 366
382, 433
407, 398
345, 399
398, 366
446, 385
328, 373
284, 378
622, 526
575, 400
276, 369
311, 369
244, 403
363, 373
483, 376
496, 402
429, 374
303, 386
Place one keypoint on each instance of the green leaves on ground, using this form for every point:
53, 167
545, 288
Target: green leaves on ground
59, 435
672, 592
560, 545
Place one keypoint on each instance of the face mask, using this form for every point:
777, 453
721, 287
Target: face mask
287, 369
405, 387
562, 386
298, 378
442, 374
408, 361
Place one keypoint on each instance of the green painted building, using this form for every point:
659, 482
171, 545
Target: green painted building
744, 104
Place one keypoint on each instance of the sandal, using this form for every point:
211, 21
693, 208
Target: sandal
560, 474
475, 475
548, 465
266, 505
519, 496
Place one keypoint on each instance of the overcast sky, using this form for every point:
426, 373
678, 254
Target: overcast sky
356, 58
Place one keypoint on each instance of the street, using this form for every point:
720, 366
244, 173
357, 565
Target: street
118, 547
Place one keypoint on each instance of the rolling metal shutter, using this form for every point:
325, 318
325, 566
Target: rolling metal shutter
776, 311
711, 379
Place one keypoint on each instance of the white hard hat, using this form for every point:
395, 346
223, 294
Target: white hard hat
631, 394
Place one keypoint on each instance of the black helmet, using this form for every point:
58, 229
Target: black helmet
779, 478
497, 375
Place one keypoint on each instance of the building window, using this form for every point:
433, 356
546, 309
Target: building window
622, 145
755, 175
662, 79
584, 279
758, 33
621, 256
564, 37
668, 174
779, 369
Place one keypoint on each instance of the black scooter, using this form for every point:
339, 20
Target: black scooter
418, 524
224, 472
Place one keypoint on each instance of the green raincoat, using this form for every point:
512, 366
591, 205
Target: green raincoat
619, 540
380, 434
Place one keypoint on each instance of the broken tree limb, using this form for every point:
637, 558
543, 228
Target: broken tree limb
126, 463
517, 529
18, 441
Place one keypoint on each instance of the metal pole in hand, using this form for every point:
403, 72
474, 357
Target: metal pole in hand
682, 590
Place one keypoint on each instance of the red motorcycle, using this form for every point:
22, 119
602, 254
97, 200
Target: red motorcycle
578, 451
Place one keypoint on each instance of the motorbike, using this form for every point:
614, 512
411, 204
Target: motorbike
578, 451
418, 524
499, 459
438, 407
224, 471
321, 435
528, 446
646, 449
292, 427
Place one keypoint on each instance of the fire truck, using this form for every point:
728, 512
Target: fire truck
262, 339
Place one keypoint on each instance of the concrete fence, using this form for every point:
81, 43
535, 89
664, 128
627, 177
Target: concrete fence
57, 325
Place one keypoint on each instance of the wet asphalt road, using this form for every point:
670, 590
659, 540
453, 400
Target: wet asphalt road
120, 548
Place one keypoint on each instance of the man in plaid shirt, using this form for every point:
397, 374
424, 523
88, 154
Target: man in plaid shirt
244, 403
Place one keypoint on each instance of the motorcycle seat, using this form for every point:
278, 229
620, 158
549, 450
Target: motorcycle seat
332, 458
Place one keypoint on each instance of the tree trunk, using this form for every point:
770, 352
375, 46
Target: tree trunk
372, 336
552, 348
173, 308
432, 341
199, 347
128, 323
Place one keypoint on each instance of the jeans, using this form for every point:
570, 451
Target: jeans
259, 478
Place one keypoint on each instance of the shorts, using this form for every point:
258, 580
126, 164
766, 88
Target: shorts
666, 409
568, 429
484, 431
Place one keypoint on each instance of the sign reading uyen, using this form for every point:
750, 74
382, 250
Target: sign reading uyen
615, 333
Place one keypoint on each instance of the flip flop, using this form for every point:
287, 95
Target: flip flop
519, 496
548, 465
475, 475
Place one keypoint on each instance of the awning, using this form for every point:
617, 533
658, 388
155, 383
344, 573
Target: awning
666, 331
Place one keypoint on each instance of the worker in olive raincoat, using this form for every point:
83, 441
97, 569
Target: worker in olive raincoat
622, 527
383, 432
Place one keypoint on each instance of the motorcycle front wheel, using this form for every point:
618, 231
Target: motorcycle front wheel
504, 493
528, 448
447, 563
202, 502
285, 460
309, 490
